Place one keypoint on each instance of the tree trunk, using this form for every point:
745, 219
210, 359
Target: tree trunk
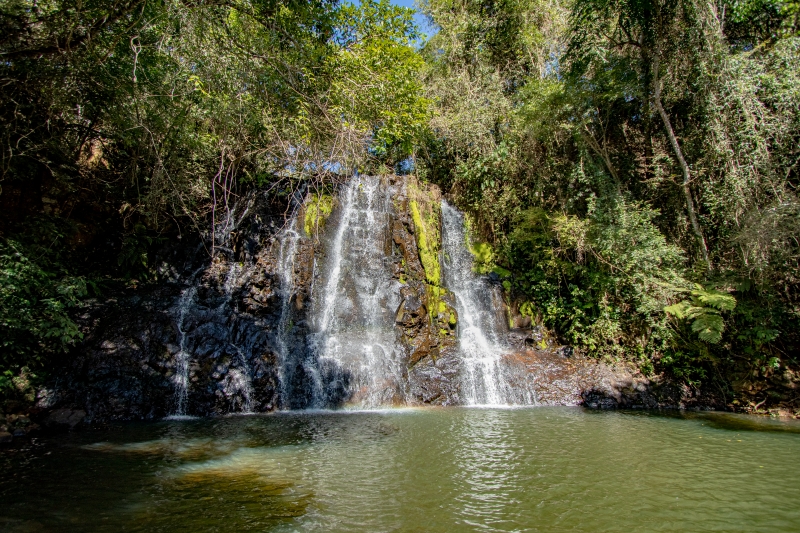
673, 140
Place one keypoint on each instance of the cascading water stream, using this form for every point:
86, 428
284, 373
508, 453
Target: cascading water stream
295, 368
239, 380
480, 344
335, 337
286, 257
354, 338
181, 376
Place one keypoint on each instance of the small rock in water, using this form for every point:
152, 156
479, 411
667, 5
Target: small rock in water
5, 436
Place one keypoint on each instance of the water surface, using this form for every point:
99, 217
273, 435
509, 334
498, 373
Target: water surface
412, 470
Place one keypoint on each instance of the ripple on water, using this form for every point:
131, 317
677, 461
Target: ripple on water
432, 470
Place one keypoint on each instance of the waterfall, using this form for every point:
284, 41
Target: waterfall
298, 376
181, 376
479, 330
286, 257
332, 328
353, 335
240, 381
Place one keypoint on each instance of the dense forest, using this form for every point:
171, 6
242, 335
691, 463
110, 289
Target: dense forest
629, 166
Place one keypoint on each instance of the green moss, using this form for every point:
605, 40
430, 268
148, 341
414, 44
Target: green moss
528, 309
502, 272
453, 320
442, 307
483, 253
427, 242
318, 209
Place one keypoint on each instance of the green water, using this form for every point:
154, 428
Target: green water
427, 470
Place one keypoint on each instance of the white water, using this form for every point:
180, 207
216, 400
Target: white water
239, 381
480, 345
181, 376
354, 338
286, 260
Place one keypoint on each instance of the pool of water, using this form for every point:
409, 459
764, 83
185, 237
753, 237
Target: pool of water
415, 470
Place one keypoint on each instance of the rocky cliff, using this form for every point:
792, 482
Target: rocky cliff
248, 324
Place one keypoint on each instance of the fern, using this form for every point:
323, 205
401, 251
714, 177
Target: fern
704, 308
709, 327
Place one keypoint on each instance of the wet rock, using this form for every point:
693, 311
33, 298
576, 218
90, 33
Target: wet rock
5, 437
599, 399
565, 351
226, 315
65, 418
520, 338
435, 382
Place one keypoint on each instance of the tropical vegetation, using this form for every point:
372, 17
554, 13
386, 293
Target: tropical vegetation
629, 166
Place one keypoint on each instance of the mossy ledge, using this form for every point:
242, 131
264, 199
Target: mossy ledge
426, 213
318, 208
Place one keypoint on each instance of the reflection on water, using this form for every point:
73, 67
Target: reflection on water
484, 483
437, 470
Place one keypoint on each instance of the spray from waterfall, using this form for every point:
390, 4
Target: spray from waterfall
295, 368
239, 380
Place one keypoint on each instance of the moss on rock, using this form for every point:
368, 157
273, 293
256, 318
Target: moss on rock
427, 234
318, 208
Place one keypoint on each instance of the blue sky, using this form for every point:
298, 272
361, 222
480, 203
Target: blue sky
418, 18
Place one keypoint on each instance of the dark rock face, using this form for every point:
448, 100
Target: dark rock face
233, 333
426, 318
435, 381
220, 314
219, 326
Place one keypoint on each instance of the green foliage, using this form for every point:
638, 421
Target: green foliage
137, 246
705, 309
600, 281
484, 257
318, 208
562, 154
34, 318
167, 106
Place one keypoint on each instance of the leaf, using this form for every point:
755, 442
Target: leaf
716, 299
678, 310
709, 327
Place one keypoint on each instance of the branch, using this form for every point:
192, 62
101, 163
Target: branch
66, 43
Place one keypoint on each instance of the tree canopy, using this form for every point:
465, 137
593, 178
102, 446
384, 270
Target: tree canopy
630, 166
